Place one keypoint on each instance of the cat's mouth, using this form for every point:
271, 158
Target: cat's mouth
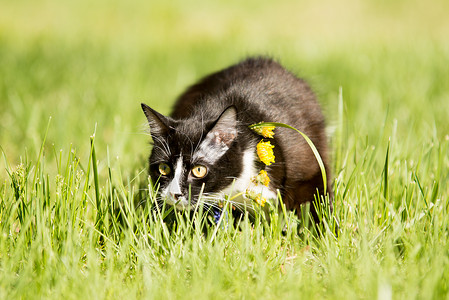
179, 201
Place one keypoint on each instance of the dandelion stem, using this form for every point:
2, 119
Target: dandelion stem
308, 140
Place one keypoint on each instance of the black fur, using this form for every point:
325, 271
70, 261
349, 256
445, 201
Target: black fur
259, 89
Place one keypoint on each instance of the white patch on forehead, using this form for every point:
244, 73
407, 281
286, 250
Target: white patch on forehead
211, 149
219, 138
174, 187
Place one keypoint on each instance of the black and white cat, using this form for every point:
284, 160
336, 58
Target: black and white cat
205, 147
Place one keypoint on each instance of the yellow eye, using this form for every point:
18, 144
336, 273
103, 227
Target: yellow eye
199, 171
164, 169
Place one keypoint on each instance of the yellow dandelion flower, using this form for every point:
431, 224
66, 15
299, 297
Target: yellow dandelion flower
255, 197
263, 178
260, 200
265, 130
265, 152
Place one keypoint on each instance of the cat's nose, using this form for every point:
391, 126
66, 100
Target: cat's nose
175, 196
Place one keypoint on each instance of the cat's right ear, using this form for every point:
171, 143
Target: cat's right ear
159, 124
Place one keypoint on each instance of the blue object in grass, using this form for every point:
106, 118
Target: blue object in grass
217, 215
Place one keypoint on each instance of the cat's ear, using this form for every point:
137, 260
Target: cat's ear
159, 124
219, 139
224, 130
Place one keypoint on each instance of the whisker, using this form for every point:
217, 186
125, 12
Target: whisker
165, 148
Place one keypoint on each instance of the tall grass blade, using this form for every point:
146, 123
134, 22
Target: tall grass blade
385, 172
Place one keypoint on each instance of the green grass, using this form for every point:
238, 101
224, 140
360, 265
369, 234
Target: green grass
74, 148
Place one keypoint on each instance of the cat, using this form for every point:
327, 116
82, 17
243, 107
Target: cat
205, 147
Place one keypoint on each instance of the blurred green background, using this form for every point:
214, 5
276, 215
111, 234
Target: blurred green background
90, 63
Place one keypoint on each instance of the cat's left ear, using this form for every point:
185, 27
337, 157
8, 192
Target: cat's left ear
224, 130
159, 124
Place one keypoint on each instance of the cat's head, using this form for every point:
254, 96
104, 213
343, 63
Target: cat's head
193, 156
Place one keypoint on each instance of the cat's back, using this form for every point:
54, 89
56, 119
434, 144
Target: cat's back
260, 88
244, 74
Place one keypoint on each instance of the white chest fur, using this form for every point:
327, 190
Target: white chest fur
245, 184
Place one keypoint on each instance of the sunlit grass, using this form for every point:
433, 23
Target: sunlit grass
60, 239
77, 215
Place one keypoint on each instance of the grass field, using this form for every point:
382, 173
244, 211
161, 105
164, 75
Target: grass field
74, 147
